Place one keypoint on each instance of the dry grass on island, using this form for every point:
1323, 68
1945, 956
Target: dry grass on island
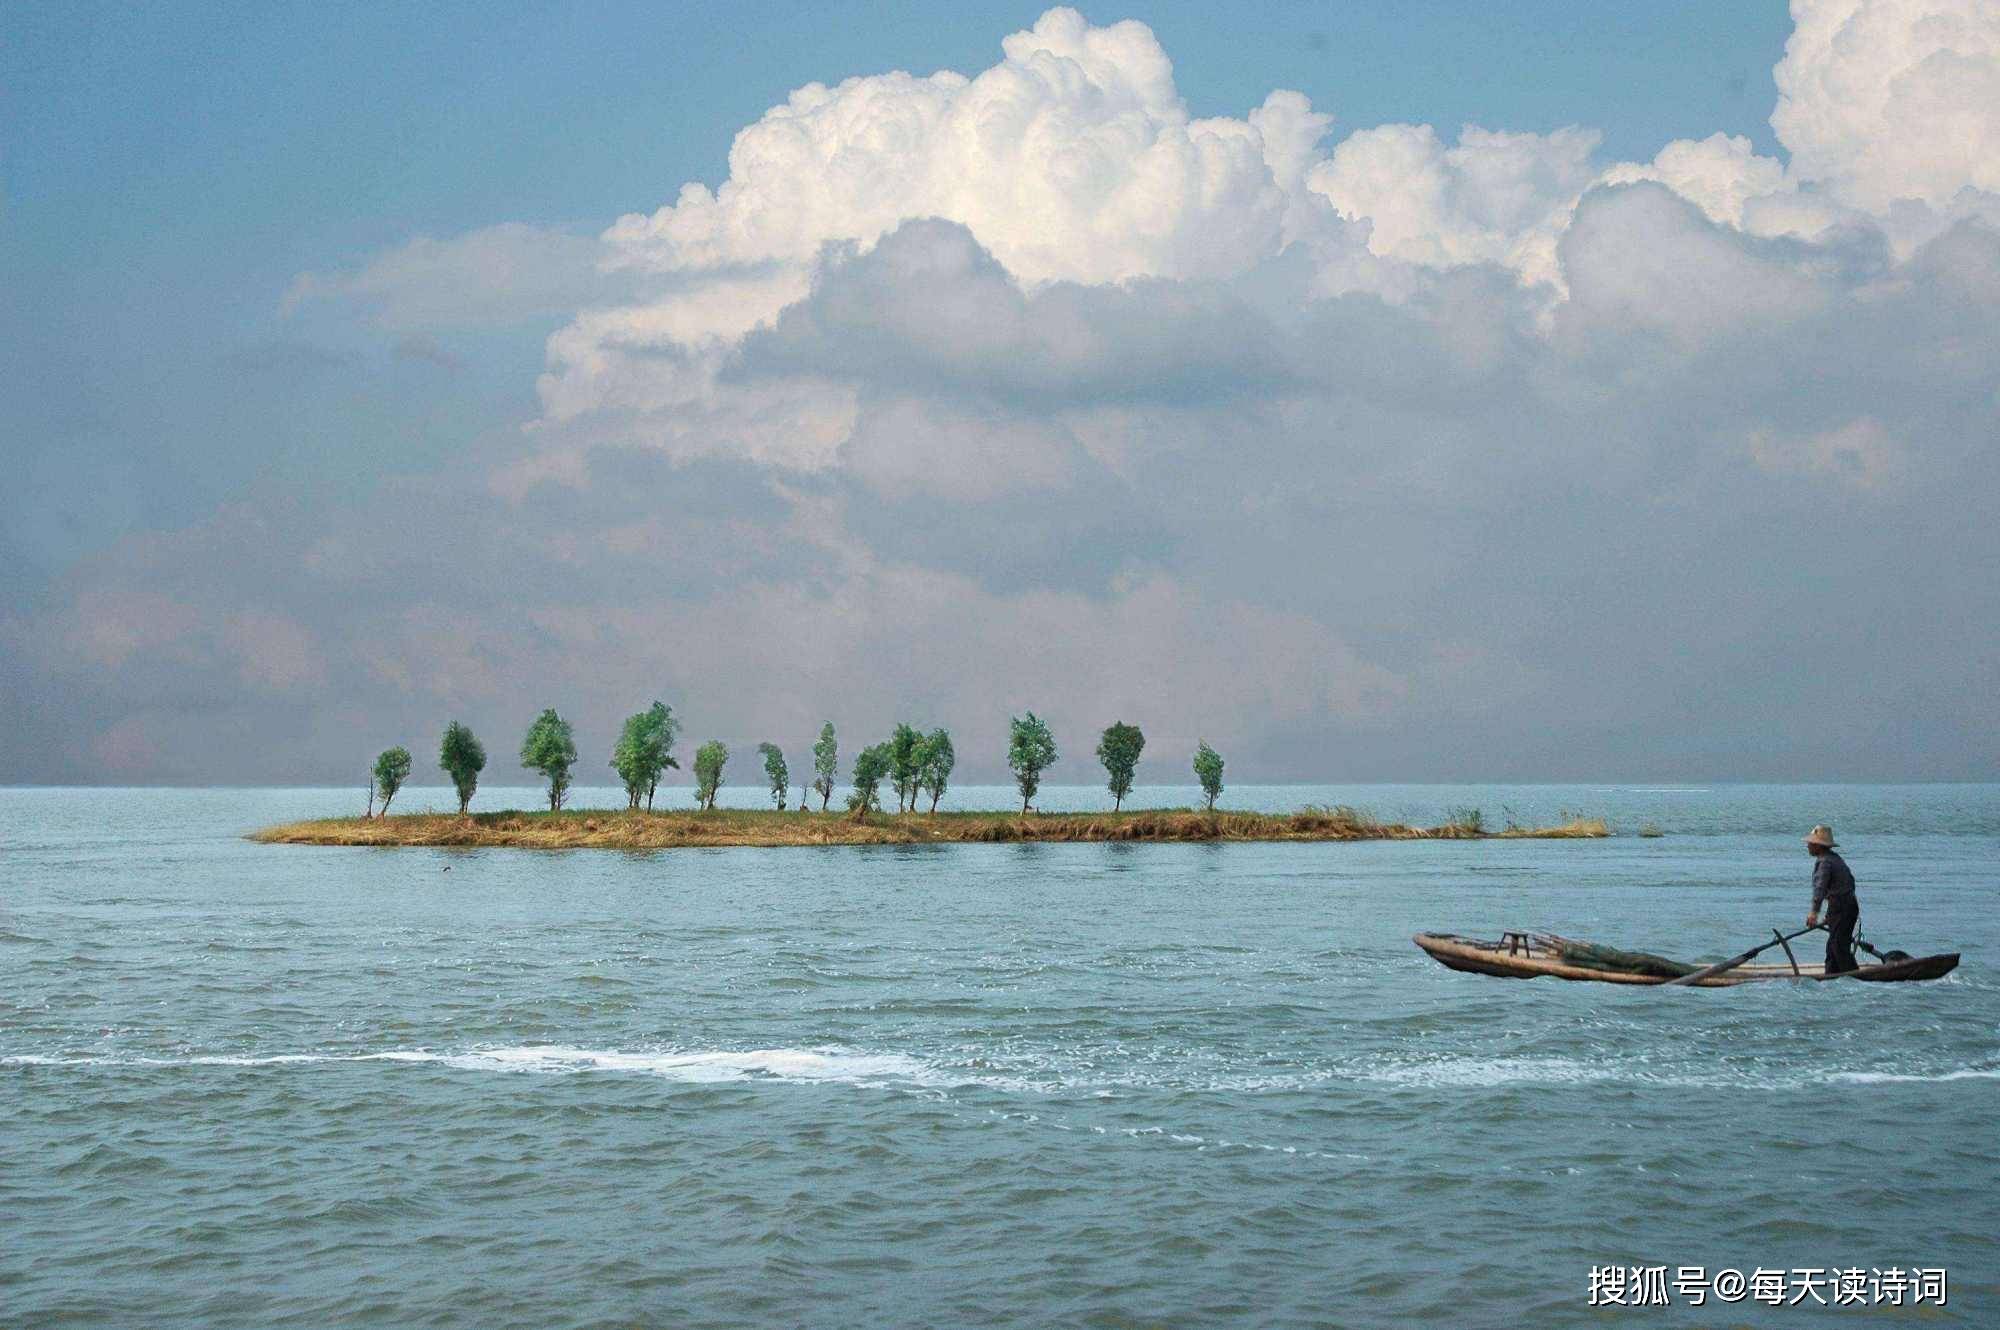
619, 830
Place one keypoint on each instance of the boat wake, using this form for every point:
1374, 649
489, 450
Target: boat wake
836, 1065
832, 1065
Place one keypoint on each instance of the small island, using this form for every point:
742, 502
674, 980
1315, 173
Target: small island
910, 764
641, 830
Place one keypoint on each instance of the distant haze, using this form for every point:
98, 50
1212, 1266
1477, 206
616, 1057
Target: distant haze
1362, 450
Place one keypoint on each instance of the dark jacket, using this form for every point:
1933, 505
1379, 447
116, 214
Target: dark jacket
1831, 879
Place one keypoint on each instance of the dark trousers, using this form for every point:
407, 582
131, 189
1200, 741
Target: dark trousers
1842, 913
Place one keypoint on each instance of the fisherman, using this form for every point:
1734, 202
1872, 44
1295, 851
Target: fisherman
1833, 885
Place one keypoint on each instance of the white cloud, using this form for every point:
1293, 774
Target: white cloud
1890, 110
1883, 100
1492, 198
1028, 388
1072, 158
1719, 174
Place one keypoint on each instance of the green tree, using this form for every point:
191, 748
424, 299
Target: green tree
644, 751
780, 775
903, 766
935, 760
391, 770
1208, 766
708, 760
1118, 749
550, 748
463, 757
870, 766
1031, 750
826, 764
665, 728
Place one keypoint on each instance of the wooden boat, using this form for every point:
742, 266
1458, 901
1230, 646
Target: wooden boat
1532, 955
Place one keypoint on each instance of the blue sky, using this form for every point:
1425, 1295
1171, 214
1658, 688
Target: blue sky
169, 170
215, 317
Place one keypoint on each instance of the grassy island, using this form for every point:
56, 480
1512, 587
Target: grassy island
620, 830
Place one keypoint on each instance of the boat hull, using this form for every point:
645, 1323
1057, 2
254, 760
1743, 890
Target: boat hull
1532, 960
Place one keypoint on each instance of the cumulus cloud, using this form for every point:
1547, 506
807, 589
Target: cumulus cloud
1886, 100
1492, 197
1387, 454
1058, 230
1642, 259
1074, 157
1890, 111
930, 305
1720, 174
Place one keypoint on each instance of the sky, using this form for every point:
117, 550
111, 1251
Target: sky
1377, 391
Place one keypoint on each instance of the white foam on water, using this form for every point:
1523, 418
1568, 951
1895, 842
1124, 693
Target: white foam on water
1899, 1078
843, 1066
1483, 1073
785, 1064
210, 1060
1480, 1072
829, 1065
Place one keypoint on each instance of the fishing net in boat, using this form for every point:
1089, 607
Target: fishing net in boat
1592, 956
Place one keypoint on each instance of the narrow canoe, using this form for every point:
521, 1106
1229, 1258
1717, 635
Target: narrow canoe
1531, 956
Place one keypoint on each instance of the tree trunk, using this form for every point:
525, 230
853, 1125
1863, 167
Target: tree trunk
934, 799
1117, 802
825, 796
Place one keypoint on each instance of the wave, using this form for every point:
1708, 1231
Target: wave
835, 1065
1484, 1073
831, 1065
1897, 1078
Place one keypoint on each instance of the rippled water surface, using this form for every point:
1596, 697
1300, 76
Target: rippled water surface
1060, 1084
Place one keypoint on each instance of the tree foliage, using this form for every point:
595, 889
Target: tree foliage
1031, 750
826, 764
779, 774
550, 748
708, 762
1118, 749
645, 751
935, 760
871, 764
391, 770
903, 764
1208, 767
463, 757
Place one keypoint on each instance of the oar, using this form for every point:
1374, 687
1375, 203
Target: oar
1722, 966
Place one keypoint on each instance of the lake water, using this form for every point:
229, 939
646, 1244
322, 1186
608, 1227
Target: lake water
248, 1085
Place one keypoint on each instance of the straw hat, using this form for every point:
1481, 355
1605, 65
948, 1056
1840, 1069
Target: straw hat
1821, 835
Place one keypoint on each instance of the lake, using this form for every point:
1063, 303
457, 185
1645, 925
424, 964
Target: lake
1106, 1084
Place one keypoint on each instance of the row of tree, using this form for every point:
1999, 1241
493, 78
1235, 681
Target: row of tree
913, 763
